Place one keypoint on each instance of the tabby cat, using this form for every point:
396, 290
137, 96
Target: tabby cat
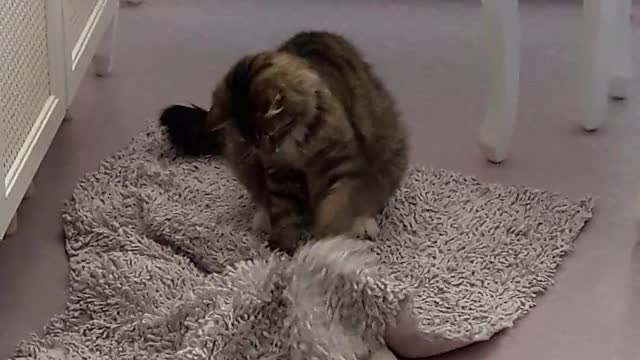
311, 132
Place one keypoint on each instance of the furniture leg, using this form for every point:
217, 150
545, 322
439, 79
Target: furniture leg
104, 57
13, 226
598, 23
503, 54
621, 70
30, 190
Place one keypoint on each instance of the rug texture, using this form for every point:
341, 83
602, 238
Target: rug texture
164, 265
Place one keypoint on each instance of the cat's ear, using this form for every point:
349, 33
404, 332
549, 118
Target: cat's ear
276, 106
216, 117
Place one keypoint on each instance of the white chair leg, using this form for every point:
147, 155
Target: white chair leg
599, 16
621, 70
502, 23
104, 57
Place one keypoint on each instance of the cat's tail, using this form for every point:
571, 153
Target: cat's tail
187, 131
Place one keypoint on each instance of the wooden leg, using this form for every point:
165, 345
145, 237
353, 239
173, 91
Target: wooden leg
503, 54
104, 57
599, 16
621, 70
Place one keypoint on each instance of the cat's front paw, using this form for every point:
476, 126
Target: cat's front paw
365, 227
285, 241
261, 221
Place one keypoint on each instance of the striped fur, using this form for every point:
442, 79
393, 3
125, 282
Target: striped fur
312, 133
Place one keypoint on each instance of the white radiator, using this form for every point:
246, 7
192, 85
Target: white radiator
46, 47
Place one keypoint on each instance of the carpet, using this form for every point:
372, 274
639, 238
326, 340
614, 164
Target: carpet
164, 266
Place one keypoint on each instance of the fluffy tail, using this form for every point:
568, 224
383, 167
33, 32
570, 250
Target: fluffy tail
186, 127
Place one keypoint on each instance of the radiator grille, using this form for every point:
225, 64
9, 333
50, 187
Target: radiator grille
24, 74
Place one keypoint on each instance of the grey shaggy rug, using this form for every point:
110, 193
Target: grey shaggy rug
164, 266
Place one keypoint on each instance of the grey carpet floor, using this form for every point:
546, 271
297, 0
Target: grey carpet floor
164, 264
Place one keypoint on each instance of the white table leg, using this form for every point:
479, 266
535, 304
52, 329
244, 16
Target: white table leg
104, 57
597, 32
503, 54
621, 70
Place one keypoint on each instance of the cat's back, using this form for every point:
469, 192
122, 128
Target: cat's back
336, 60
367, 102
323, 48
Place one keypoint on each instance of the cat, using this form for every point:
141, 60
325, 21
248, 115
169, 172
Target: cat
310, 130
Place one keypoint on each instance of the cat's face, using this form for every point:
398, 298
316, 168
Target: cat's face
265, 98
